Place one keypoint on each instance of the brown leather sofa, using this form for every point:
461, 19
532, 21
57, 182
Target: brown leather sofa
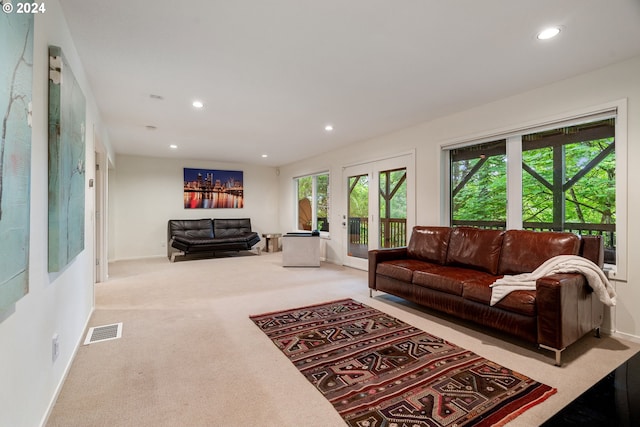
451, 270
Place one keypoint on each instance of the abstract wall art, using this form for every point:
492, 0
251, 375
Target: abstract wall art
67, 118
213, 189
16, 76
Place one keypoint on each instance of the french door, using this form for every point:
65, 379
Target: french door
380, 208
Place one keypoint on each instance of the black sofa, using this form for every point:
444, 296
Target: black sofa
189, 236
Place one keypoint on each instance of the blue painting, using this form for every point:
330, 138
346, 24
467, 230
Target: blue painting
212, 189
66, 162
16, 76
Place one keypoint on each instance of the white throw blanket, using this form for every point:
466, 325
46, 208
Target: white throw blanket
559, 264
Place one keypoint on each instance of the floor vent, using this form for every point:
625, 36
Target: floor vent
103, 333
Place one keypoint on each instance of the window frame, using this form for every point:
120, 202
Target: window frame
314, 200
617, 109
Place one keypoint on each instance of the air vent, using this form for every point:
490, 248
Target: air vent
103, 333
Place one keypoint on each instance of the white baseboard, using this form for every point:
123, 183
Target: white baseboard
67, 368
628, 337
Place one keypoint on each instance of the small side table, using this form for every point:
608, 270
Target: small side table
272, 242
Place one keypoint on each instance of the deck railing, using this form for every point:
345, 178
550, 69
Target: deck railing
358, 231
393, 231
607, 231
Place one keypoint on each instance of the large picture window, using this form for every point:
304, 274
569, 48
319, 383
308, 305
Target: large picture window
479, 185
564, 178
312, 193
569, 181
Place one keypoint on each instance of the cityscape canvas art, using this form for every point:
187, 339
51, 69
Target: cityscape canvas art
16, 76
213, 189
66, 162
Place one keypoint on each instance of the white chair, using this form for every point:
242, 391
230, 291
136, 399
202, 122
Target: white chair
301, 250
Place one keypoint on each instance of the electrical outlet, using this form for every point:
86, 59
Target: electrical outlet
55, 348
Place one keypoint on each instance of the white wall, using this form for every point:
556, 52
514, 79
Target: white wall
602, 86
59, 303
146, 192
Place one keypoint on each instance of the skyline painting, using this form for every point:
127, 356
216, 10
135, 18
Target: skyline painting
213, 189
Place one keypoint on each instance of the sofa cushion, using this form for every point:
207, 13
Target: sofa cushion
229, 227
198, 228
196, 241
429, 244
523, 251
449, 279
522, 302
475, 248
402, 269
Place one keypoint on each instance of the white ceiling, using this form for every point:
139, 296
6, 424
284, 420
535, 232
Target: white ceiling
273, 73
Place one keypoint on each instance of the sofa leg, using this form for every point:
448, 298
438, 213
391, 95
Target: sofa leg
176, 253
597, 332
370, 293
556, 351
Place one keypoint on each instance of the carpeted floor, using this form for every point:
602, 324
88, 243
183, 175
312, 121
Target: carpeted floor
190, 356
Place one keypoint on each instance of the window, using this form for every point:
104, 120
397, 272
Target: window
564, 178
393, 208
569, 181
479, 185
313, 202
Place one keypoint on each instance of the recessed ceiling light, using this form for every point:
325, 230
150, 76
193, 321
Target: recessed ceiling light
265, 155
151, 127
198, 104
157, 97
548, 33
173, 146
328, 128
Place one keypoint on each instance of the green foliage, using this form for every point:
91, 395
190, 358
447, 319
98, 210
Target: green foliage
591, 200
484, 195
359, 197
305, 188
322, 193
305, 191
398, 187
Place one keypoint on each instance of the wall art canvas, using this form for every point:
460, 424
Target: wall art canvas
213, 189
66, 162
16, 77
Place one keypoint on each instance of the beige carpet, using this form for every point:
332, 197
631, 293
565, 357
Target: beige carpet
190, 356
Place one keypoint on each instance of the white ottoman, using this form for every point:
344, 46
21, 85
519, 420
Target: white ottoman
301, 250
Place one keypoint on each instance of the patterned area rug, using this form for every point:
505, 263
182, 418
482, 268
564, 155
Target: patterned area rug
379, 371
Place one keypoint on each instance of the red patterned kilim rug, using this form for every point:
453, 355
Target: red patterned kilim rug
379, 371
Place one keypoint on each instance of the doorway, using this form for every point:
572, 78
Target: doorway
100, 209
380, 207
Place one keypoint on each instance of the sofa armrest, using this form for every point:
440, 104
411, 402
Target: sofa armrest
567, 309
377, 256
